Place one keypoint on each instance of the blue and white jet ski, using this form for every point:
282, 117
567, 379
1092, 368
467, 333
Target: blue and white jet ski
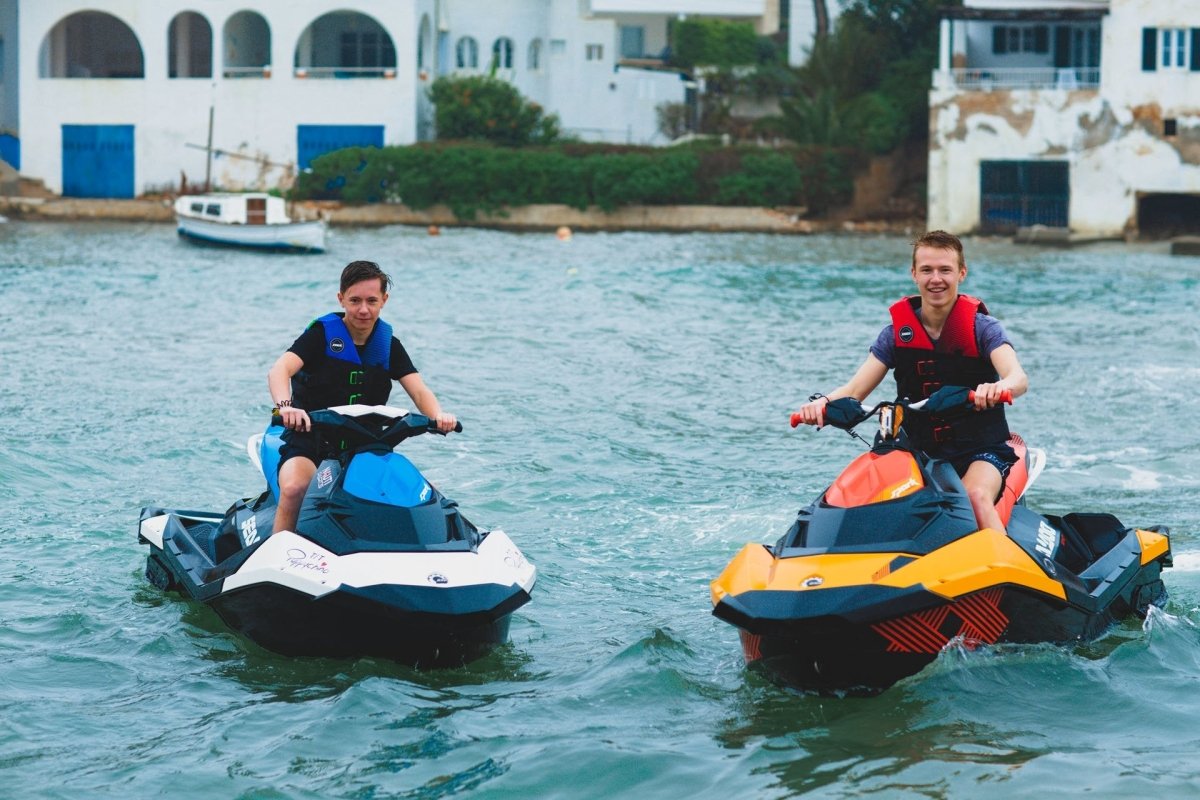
380, 564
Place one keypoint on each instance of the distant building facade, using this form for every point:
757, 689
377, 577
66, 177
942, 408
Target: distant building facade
1079, 114
117, 98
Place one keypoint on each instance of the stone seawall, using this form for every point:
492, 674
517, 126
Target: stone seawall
525, 218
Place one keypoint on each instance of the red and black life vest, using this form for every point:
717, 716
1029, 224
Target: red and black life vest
344, 376
924, 366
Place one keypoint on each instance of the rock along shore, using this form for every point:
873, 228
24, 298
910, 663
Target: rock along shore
681, 219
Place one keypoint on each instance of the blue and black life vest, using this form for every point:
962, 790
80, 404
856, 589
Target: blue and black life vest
345, 375
924, 366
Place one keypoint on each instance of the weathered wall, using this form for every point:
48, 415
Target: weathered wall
1112, 138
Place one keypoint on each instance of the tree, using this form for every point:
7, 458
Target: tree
821, 15
485, 107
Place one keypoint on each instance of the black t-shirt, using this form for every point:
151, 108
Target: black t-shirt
310, 347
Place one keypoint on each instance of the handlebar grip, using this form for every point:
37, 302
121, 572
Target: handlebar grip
795, 420
1005, 397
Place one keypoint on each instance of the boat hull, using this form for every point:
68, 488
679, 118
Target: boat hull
300, 237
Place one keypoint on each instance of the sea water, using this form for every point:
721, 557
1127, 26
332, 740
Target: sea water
625, 401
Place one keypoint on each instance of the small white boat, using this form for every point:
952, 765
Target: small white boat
254, 220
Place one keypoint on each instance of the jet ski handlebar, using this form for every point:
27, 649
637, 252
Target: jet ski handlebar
374, 428
847, 412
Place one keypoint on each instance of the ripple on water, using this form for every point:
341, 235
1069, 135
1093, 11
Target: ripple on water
624, 398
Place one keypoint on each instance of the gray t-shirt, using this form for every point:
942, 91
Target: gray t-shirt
989, 334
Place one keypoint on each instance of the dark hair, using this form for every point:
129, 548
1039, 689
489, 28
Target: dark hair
357, 271
941, 241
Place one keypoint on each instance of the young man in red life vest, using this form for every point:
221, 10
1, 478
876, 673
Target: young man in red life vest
943, 338
340, 359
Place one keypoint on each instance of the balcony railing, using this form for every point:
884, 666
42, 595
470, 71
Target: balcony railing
345, 72
247, 72
986, 79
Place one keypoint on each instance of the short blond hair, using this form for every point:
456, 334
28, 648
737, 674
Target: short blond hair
941, 241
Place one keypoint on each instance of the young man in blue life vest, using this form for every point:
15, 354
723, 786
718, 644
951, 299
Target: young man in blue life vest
942, 338
341, 358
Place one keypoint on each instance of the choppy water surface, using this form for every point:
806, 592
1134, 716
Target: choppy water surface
625, 399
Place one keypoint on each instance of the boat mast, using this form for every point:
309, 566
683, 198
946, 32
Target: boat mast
209, 151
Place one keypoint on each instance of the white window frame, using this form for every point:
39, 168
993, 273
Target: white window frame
502, 53
466, 53
594, 52
1174, 49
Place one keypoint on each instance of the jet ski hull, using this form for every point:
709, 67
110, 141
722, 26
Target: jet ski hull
859, 622
291, 596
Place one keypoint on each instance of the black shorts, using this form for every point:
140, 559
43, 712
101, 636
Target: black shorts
1001, 456
303, 444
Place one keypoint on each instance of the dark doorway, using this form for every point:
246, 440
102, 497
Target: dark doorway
1162, 216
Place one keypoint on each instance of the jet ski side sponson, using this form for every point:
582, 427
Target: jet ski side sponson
863, 585
983, 559
288, 559
154, 522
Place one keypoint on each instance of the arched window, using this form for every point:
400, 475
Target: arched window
345, 44
467, 53
189, 46
91, 44
247, 46
424, 43
535, 55
502, 53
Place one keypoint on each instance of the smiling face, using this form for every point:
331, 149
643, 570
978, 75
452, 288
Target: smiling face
937, 272
362, 301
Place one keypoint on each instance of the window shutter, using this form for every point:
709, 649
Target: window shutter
1041, 39
1062, 46
999, 40
1195, 66
1149, 49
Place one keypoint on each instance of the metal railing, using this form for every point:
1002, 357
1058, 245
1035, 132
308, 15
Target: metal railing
345, 72
986, 79
247, 72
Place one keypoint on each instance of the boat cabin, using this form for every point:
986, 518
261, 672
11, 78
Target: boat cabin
252, 208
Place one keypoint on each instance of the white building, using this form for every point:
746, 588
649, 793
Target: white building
114, 98
1083, 114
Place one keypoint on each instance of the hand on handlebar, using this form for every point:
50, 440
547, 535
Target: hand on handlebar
811, 413
446, 423
987, 395
295, 419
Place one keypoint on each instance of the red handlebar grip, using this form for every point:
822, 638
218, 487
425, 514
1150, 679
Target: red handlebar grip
1005, 396
796, 419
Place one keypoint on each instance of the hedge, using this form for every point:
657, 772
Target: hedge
474, 177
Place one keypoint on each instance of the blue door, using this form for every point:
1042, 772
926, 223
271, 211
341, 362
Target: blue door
317, 140
10, 150
1016, 194
97, 160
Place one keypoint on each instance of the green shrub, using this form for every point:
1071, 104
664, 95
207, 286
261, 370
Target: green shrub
471, 177
713, 42
769, 179
487, 108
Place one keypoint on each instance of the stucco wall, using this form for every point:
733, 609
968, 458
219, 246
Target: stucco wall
252, 116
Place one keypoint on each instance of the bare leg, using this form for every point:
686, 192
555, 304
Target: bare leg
983, 482
294, 477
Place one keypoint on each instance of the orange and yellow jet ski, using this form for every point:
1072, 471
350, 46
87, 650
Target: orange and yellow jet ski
889, 566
